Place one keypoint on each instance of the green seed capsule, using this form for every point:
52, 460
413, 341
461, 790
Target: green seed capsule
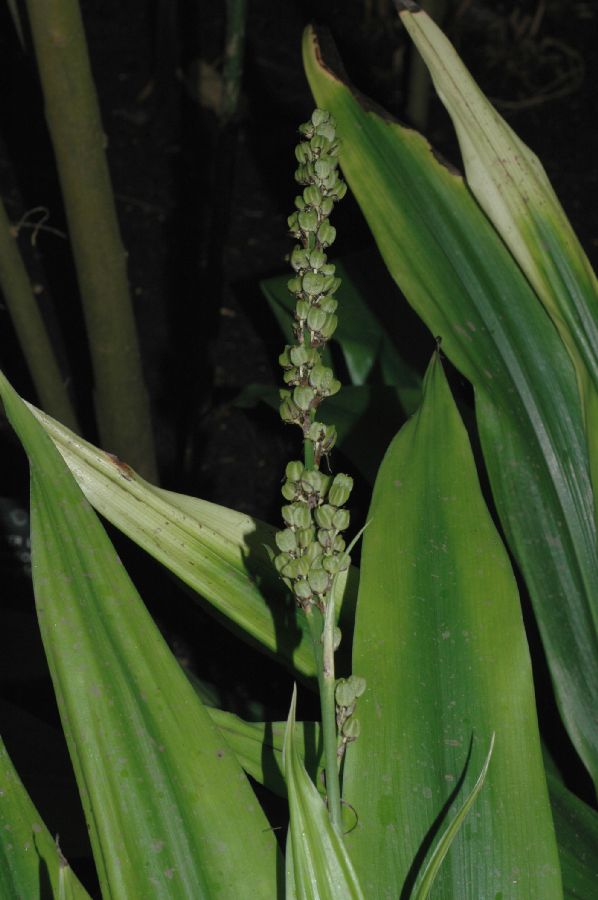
324, 516
303, 397
344, 693
341, 519
319, 116
331, 564
294, 285
284, 359
302, 590
286, 541
328, 305
313, 552
338, 545
299, 259
358, 684
312, 196
282, 560
328, 328
312, 283
326, 207
317, 259
340, 489
289, 412
299, 355
303, 567
316, 319
308, 220
351, 728
326, 232
319, 581
294, 470
289, 491
301, 310
302, 153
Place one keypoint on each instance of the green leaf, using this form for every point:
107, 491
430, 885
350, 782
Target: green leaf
459, 277
216, 551
443, 846
30, 861
258, 747
512, 188
576, 826
320, 865
169, 809
440, 640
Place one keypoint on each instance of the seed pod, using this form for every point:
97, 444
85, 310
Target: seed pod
326, 232
294, 470
293, 224
324, 166
316, 319
328, 328
344, 694
289, 412
351, 728
312, 196
302, 153
339, 190
313, 552
331, 564
326, 207
318, 143
340, 489
328, 305
317, 260
286, 541
314, 481
320, 116
299, 355
320, 378
324, 515
294, 285
281, 560
338, 544
302, 590
290, 570
312, 284
302, 568
319, 581
289, 491
284, 359
301, 310
325, 538
359, 684
327, 131
307, 220
344, 562
299, 259
341, 519
303, 397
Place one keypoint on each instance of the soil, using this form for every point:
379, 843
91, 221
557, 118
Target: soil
203, 215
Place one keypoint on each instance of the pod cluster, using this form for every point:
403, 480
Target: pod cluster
314, 284
312, 548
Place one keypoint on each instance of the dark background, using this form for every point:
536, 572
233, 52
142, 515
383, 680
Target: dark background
203, 215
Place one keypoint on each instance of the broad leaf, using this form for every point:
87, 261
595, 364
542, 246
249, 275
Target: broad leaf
458, 275
510, 184
30, 860
320, 865
440, 640
216, 551
169, 809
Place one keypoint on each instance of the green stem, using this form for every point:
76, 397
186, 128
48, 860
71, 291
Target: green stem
31, 330
79, 143
322, 635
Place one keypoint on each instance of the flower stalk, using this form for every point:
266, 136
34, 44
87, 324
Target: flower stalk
312, 550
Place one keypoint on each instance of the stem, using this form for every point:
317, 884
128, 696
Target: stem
79, 143
322, 635
30, 329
